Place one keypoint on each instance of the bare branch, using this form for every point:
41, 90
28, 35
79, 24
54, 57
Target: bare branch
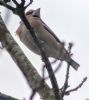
32, 95
22, 3
65, 86
58, 67
30, 2
19, 10
43, 55
75, 89
15, 2
7, 6
55, 70
33, 78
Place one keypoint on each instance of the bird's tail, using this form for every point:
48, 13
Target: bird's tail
74, 64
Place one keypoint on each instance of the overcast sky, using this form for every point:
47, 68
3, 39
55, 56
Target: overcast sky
69, 19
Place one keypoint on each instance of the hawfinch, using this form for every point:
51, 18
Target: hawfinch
52, 46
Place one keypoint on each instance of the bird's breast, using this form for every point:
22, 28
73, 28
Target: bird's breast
27, 39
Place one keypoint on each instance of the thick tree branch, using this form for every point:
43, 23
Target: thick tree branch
6, 97
33, 78
19, 10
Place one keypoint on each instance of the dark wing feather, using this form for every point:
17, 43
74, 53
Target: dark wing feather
51, 32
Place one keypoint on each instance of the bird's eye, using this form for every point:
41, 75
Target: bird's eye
35, 16
29, 12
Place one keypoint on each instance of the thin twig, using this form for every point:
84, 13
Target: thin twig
7, 6
58, 67
66, 79
30, 2
54, 61
22, 3
76, 88
15, 2
65, 86
33, 94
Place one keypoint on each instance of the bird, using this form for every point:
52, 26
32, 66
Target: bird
51, 44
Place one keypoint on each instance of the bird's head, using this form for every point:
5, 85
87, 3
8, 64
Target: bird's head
35, 13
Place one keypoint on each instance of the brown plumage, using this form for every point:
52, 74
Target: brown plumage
52, 45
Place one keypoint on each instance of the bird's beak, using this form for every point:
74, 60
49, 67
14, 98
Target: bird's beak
36, 12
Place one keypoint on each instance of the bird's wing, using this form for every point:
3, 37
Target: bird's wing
20, 29
50, 31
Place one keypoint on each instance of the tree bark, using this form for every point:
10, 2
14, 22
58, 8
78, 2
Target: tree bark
33, 78
6, 97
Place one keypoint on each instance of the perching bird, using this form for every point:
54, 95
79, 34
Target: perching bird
53, 47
